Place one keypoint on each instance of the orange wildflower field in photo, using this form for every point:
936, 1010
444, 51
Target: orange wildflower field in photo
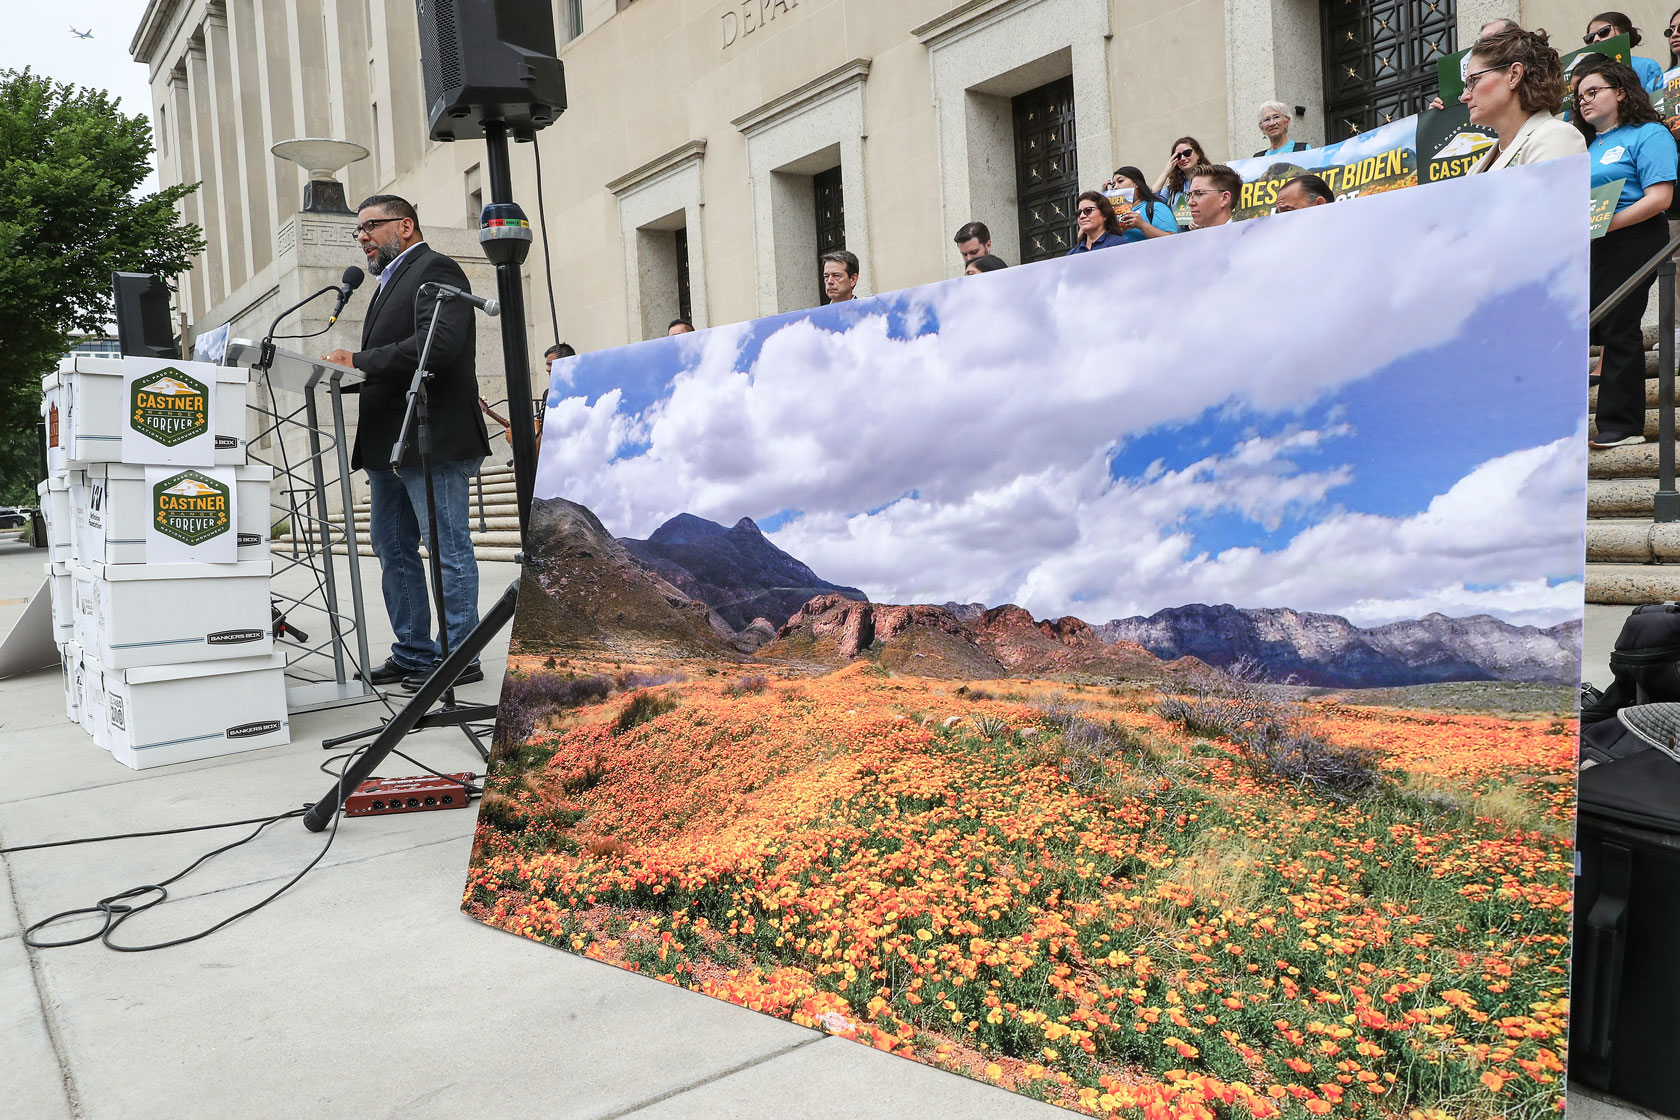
1170, 896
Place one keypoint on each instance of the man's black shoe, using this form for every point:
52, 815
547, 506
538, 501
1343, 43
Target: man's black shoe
388, 673
472, 674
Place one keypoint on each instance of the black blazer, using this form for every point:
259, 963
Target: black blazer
393, 331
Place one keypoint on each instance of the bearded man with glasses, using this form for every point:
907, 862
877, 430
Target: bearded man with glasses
393, 334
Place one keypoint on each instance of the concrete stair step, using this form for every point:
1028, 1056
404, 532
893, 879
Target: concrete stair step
492, 524
495, 536
494, 506
1636, 461
1632, 541
1632, 584
1620, 497
497, 553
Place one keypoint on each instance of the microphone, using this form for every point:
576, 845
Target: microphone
449, 291
351, 280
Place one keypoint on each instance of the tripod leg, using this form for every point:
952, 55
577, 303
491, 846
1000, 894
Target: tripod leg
478, 744
322, 812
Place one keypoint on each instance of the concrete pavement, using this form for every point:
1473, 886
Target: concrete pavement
363, 990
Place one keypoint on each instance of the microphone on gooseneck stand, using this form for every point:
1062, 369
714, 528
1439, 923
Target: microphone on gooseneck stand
349, 282
449, 291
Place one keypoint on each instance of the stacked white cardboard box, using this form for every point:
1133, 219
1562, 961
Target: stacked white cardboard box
158, 536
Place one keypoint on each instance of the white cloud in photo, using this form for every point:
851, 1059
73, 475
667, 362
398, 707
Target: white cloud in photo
1078, 543
984, 448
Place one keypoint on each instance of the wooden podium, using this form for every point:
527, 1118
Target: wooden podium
314, 535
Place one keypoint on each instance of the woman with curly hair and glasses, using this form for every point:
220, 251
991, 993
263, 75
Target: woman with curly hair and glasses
1513, 84
1627, 143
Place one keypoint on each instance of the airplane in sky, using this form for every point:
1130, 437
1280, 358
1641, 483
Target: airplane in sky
88, 34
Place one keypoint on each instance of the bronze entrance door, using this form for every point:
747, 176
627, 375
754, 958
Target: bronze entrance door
830, 202
1380, 60
1046, 170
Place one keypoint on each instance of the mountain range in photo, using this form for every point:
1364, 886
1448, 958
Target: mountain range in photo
696, 587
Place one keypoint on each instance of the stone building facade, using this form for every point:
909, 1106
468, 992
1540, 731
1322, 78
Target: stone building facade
712, 147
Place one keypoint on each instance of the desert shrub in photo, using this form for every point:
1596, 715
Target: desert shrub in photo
1341, 773
642, 707
632, 679
529, 698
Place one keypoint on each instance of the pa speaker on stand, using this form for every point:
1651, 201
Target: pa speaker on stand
489, 60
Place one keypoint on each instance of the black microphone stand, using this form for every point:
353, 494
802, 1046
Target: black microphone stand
417, 420
521, 415
265, 353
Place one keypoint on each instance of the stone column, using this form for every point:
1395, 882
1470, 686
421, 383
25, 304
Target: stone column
255, 169
1274, 53
194, 295
279, 86
201, 93
347, 51
235, 193
313, 83
397, 31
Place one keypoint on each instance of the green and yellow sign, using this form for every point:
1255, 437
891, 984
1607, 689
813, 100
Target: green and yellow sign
169, 406
192, 508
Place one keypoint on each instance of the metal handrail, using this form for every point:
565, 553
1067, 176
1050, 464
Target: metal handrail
1665, 504
1637, 279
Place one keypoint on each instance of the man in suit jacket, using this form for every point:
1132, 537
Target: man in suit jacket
393, 334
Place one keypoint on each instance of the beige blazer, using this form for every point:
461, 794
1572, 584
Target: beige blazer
1542, 136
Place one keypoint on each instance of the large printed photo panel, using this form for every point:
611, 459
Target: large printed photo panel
1143, 681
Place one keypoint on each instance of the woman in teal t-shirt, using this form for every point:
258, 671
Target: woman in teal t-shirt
1625, 141
1149, 216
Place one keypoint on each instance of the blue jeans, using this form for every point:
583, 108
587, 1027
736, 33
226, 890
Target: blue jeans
398, 525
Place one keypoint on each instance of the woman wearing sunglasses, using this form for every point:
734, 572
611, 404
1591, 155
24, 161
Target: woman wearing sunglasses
1625, 141
1173, 186
1099, 227
1608, 25
1513, 84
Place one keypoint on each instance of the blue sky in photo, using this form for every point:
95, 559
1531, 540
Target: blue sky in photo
1001, 437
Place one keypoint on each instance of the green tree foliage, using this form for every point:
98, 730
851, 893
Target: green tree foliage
70, 165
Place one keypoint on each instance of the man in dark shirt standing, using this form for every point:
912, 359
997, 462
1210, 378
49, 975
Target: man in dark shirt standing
393, 334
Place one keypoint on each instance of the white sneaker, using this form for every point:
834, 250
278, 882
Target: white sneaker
1602, 441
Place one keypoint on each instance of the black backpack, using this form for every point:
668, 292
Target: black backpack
1645, 663
1627, 916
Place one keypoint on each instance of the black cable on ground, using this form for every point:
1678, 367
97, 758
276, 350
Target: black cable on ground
118, 908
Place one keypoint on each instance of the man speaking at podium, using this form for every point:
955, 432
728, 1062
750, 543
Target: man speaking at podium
393, 333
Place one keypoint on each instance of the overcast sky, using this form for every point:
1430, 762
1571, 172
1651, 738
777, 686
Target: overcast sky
1372, 409
37, 35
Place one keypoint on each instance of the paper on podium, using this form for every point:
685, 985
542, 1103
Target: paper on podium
292, 371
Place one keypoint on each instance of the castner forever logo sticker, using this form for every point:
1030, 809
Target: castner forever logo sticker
191, 508
170, 406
